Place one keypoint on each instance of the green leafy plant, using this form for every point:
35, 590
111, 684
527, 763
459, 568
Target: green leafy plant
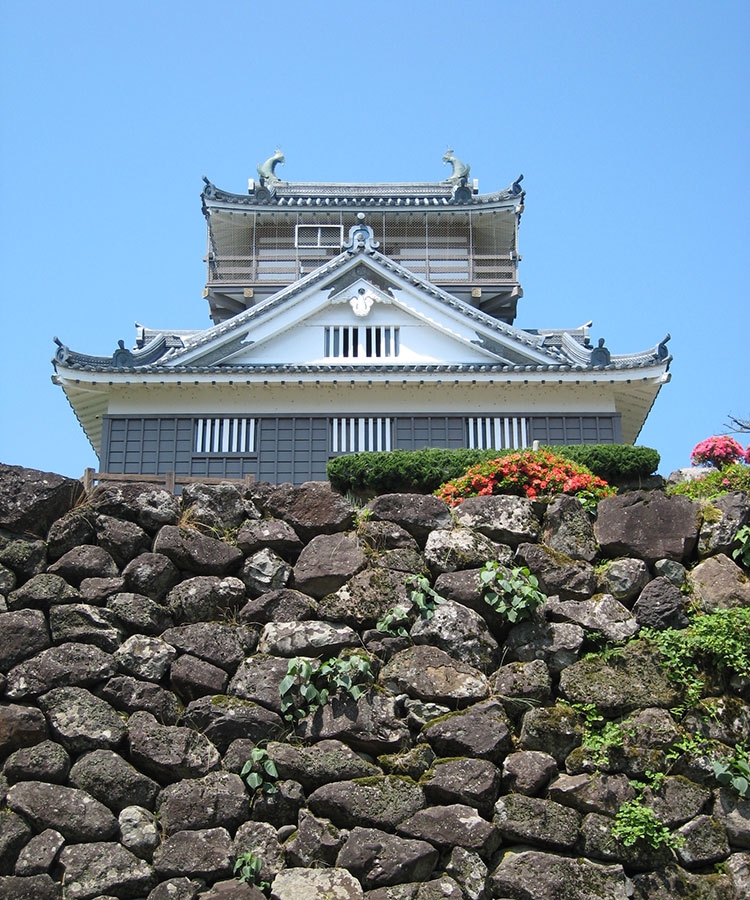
714, 483
599, 734
308, 684
526, 473
734, 773
247, 868
424, 598
513, 593
742, 551
394, 621
636, 822
260, 772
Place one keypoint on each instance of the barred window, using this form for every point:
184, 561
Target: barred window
225, 435
361, 341
497, 432
360, 433
319, 235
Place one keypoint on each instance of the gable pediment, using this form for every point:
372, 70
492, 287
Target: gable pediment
369, 300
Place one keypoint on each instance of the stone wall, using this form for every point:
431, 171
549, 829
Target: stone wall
144, 640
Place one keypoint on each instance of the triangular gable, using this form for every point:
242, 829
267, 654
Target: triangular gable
362, 289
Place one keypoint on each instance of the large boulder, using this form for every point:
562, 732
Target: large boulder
327, 562
427, 673
419, 514
30, 500
95, 869
311, 509
506, 519
535, 875
719, 583
648, 525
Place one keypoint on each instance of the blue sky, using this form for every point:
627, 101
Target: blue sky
629, 121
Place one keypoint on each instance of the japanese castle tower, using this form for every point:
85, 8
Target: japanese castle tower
351, 317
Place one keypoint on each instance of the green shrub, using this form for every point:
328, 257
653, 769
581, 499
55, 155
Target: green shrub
423, 471
715, 483
636, 822
308, 684
612, 462
513, 593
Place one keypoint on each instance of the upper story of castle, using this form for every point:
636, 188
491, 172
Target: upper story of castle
445, 232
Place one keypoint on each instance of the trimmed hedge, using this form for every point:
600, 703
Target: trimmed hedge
423, 471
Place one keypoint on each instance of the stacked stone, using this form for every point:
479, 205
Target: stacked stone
143, 639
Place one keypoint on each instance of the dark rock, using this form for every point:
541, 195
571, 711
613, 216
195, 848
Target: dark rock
674, 571
469, 872
460, 632
221, 645
521, 685
703, 841
676, 800
313, 508
418, 514
45, 761
469, 782
169, 753
39, 855
728, 514
122, 540
719, 583
451, 826
196, 854
648, 525
148, 506
258, 679
82, 721
567, 528
508, 520
34, 887
466, 587
327, 562
82, 623
366, 597
528, 772
204, 597
99, 590
20, 726
672, 881
93, 869
274, 534
532, 820
224, 719
151, 574
284, 605
379, 859
217, 800
481, 732
179, 889
231, 890
263, 840
74, 813
602, 614
369, 723
569, 579
598, 841
378, 802
534, 875
113, 781
661, 605
281, 808
733, 813
428, 673
131, 695
137, 613
624, 579
23, 633
216, 506
8, 580
597, 792
71, 530
14, 834
316, 841
194, 552
84, 562
42, 592
631, 681
146, 657
556, 730
380, 537
25, 557
558, 644
190, 678
30, 500
322, 763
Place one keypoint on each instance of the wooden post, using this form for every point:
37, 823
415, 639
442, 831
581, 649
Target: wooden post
169, 481
88, 480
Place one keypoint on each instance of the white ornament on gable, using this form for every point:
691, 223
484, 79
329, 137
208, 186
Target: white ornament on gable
362, 302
